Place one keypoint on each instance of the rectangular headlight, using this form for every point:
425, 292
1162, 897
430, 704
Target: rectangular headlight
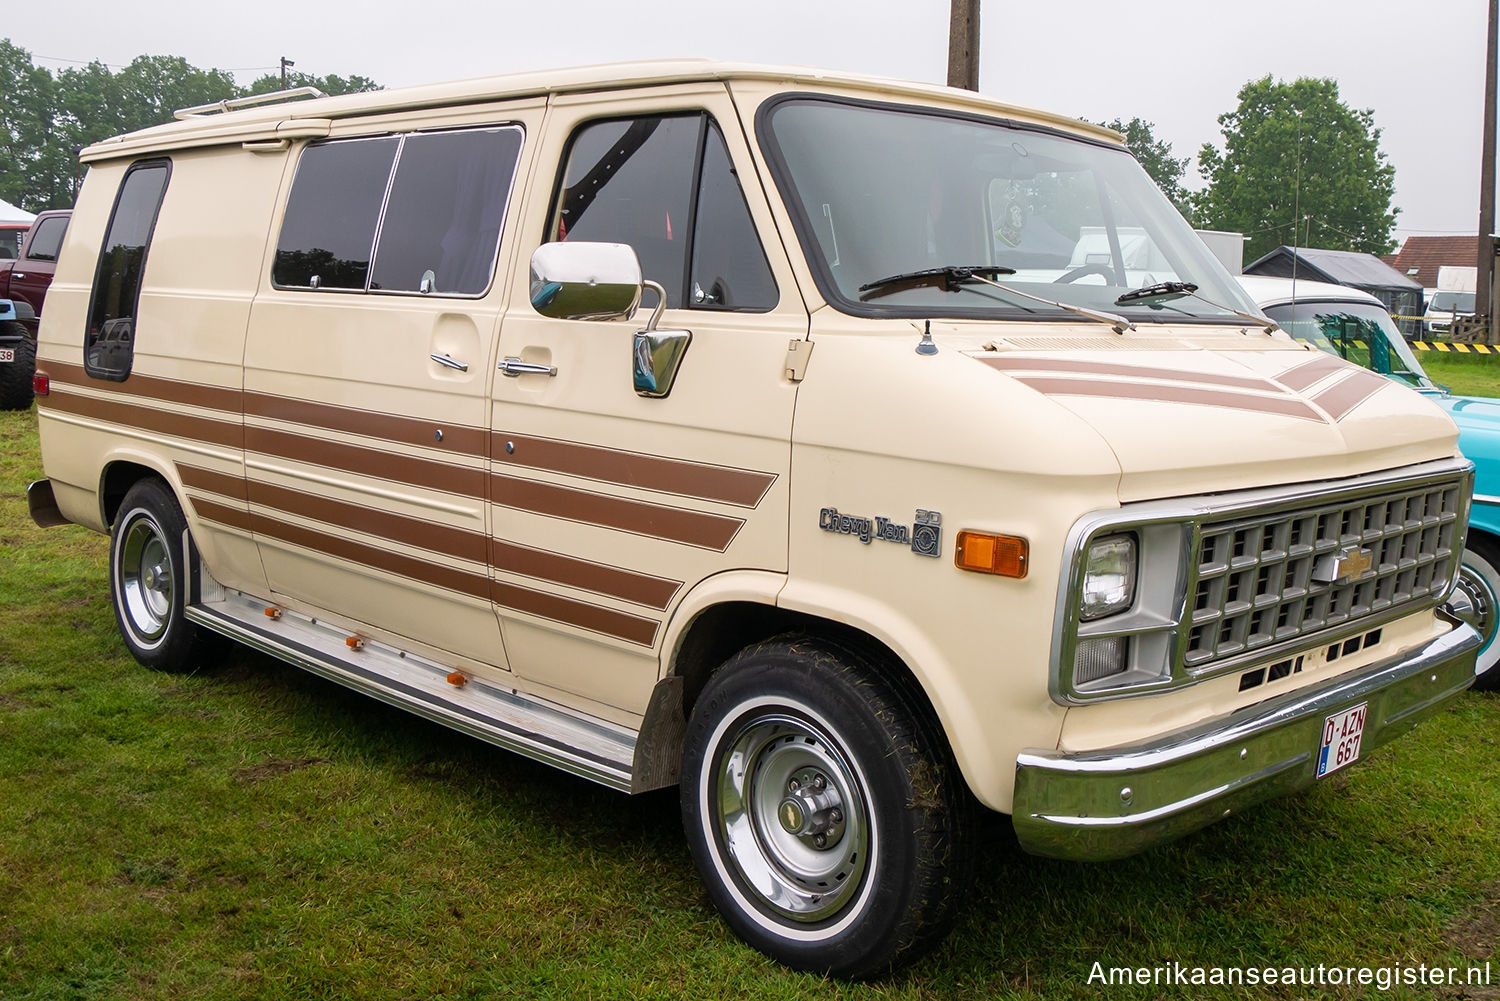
1108, 577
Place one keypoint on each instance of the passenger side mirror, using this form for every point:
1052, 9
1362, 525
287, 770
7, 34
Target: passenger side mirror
585, 281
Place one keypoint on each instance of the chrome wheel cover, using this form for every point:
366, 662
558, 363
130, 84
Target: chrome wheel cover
792, 816
1481, 614
144, 577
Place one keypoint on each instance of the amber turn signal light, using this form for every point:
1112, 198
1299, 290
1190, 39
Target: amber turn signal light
985, 552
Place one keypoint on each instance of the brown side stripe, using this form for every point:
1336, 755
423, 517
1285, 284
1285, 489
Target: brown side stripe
191, 394
1299, 377
693, 528
195, 478
1009, 363
367, 461
1286, 406
147, 418
462, 581
459, 439
743, 487
623, 625
221, 513
642, 589
615, 582
1348, 393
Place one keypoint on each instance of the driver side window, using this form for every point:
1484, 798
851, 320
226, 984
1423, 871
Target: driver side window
666, 186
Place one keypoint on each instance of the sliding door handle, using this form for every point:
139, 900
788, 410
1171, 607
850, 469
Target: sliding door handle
514, 367
453, 363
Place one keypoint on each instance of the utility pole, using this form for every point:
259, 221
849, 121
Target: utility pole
963, 45
1484, 307
285, 62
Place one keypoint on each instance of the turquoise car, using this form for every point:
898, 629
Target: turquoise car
1355, 326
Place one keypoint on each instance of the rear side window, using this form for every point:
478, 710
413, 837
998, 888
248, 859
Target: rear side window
418, 213
666, 186
109, 342
446, 207
47, 238
328, 234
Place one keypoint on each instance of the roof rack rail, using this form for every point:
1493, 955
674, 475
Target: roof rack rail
219, 107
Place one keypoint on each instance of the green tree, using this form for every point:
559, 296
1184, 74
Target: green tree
1156, 156
46, 120
1299, 165
28, 126
330, 85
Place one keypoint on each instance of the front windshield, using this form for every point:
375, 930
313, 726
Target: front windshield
1362, 333
879, 191
1446, 301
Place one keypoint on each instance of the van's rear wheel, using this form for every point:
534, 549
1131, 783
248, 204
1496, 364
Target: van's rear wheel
148, 579
822, 809
15, 376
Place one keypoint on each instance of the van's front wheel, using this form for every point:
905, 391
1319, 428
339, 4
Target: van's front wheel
148, 583
822, 810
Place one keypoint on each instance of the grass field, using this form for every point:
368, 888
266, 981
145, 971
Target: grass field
253, 832
1466, 375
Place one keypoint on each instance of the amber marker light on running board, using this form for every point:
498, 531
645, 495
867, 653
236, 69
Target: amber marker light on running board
984, 552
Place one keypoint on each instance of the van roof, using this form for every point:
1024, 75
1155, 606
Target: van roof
311, 118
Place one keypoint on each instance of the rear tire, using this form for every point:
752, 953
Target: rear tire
148, 580
823, 810
15, 377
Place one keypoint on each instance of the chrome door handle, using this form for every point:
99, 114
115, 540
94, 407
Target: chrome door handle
17, 274
514, 366
447, 362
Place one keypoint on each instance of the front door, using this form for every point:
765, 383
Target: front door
608, 507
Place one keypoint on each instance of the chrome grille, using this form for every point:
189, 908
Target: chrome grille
1255, 587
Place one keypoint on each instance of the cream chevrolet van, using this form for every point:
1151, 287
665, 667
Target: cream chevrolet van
848, 452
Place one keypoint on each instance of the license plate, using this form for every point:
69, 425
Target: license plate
7, 354
1341, 736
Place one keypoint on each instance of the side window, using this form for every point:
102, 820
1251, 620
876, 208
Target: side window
109, 343
632, 182
445, 210
729, 266
667, 187
47, 240
328, 234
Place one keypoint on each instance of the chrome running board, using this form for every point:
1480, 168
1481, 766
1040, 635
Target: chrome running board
584, 746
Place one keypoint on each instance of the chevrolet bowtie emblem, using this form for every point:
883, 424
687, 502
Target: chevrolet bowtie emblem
1343, 566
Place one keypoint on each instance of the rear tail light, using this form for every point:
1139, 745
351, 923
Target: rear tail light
41, 384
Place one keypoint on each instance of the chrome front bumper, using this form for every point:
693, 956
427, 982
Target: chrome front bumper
1118, 801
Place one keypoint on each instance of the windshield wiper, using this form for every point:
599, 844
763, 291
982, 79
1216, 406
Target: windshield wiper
955, 278
1161, 292
949, 279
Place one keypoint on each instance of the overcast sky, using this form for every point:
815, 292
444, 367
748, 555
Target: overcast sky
1419, 67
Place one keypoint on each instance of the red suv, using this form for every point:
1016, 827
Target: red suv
25, 279
23, 287
12, 235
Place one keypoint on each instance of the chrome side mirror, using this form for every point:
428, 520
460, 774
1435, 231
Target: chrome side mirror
585, 281
657, 354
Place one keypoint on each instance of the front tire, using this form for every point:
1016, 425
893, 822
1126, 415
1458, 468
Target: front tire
823, 811
1479, 578
148, 579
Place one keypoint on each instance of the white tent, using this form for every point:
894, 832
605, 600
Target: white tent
9, 213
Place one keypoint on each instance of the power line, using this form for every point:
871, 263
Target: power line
120, 66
